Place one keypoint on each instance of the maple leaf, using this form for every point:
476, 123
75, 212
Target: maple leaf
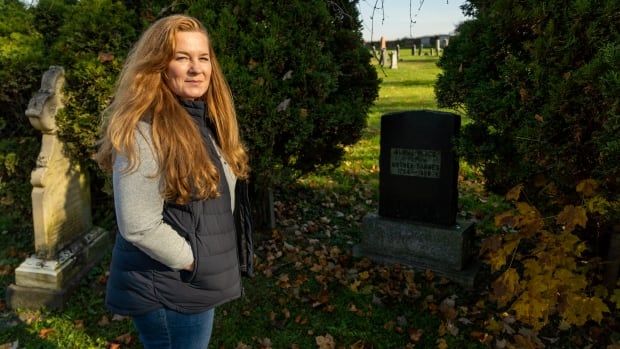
514, 193
587, 187
506, 286
572, 216
325, 342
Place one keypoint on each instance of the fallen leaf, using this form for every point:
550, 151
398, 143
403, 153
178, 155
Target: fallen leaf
125, 338
104, 321
415, 334
44, 332
441, 344
325, 342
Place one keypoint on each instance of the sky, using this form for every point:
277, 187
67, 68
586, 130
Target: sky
434, 17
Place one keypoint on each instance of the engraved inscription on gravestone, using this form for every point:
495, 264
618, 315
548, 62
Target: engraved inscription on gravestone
415, 162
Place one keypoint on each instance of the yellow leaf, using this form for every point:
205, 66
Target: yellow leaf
531, 310
587, 187
514, 193
527, 210
441, 344
572, 216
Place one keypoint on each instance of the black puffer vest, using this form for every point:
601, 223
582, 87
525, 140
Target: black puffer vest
138, 284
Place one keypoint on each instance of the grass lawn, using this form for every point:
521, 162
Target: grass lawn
309, 291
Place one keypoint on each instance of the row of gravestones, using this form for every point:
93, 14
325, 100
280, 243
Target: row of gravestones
416, 224
394, 56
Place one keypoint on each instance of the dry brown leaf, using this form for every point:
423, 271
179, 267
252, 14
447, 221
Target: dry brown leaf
44, 332
125, 338
104, 321
415, 334
242, 345
514, 193
441, 344
325, 342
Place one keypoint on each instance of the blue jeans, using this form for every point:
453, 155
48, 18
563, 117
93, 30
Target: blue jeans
168, 329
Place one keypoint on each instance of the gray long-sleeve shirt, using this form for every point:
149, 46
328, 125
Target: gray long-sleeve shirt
139, 205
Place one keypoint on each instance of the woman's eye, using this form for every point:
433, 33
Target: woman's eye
181, 58
204, 59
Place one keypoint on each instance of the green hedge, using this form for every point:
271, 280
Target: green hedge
541, 81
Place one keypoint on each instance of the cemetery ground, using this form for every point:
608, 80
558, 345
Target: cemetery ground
309, 291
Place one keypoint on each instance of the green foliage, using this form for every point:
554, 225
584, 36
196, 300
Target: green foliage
540, 80
22, 61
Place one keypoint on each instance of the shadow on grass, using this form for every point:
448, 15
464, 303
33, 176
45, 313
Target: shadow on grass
408, 83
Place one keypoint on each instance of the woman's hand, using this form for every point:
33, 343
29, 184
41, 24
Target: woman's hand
189, 267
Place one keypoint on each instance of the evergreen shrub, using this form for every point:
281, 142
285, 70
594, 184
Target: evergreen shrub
540, 81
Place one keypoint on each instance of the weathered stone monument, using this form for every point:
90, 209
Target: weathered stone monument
67, 244
398, 52
393, 60
383, 56
437, 46
420, 50
417, 223
413, 50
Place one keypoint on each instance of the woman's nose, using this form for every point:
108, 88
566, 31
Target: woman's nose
194, 67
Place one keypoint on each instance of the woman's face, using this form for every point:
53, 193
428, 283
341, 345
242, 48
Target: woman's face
189, 72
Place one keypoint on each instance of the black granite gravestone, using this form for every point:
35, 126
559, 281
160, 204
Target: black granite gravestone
418, 166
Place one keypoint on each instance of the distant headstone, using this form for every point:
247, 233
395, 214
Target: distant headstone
413, 50
417, 224
437, 46
383, 43
393, 60
67, 244
383, 57
421, 48
398, 52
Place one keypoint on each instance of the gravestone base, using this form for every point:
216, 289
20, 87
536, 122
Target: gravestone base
48, 283
447, 251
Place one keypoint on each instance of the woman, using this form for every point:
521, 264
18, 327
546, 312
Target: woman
172, 144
